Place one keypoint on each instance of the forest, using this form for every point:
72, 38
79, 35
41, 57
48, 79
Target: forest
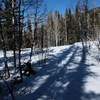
29, 24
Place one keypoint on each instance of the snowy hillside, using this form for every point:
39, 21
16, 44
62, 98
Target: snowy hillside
68, 75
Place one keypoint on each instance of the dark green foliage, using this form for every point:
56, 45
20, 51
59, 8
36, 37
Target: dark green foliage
27, 34
29, 25
26, 39
77, 23
7, 24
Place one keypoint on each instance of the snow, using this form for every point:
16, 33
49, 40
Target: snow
68, 74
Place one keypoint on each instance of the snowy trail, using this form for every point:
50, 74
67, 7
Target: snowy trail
62, 81
55, 76
58, 71
68, 75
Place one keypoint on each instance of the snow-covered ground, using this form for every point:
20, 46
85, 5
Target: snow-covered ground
68, 75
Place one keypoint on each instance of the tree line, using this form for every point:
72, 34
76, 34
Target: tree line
50, 28
26, 24
63, 30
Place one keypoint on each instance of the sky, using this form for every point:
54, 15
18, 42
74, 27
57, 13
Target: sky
61, 5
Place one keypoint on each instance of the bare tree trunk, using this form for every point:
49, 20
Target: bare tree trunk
20, 40
14, 35
66, 32
7, 74
31, 53
42, 44
56, 35
39, 16
14, 52
34, 40
6, 64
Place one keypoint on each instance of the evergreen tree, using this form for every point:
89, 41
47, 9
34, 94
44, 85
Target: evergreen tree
66, 25
77, 23
56, 27
27, 36
62, 33
7, 23
84, 23
71, 28
7, 74
29, 25
50, 29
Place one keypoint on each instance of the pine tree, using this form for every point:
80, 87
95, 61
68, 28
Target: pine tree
77, 23
29, 25
62, 35
50, 29
70, 27
3, 43
56, 27
66, 25
27, 36
7, 23
85, 25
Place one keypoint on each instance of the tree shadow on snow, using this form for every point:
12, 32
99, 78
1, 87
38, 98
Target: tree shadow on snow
61, 82
91, 96
74, 90
50, 71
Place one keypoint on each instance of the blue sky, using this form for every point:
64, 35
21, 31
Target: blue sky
61, 5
